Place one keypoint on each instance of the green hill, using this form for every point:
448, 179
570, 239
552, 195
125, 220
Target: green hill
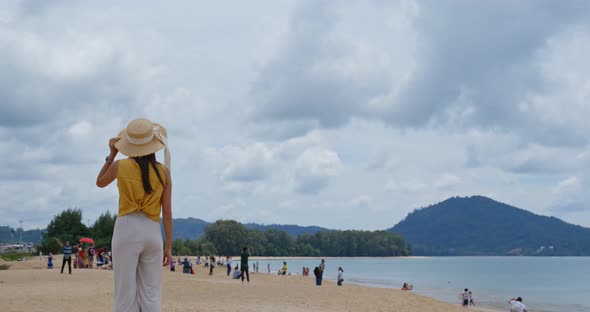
187, 228
481, 226
191, 228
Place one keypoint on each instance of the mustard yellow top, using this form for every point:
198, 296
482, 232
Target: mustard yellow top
132, 197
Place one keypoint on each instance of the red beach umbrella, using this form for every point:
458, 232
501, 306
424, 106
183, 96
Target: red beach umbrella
87, 240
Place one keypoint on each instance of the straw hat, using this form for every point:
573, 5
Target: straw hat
143, 137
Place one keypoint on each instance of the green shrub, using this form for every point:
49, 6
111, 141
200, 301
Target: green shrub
15, 255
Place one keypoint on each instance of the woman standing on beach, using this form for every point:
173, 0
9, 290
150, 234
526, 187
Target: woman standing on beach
80, 258
145, 190
84, 255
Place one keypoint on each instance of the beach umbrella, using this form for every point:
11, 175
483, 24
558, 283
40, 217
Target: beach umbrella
87, 240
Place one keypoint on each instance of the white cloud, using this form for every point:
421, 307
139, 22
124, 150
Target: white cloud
568, 185
287, 204
385, 160
569, 197
248, 164
336, 58
361, 201
314, 168
447, 181
81, 129
405, 185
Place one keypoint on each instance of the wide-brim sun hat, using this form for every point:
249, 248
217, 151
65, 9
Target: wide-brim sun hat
143, 137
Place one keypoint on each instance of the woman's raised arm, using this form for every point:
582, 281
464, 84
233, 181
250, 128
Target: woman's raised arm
108, 173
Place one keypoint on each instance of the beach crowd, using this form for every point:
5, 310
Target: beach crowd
88, 257
84, 257
242, 270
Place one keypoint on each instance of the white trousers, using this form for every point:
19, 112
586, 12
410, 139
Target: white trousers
137, 263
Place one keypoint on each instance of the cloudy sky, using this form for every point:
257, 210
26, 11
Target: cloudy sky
344, 114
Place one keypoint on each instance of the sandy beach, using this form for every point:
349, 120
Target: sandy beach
29, 286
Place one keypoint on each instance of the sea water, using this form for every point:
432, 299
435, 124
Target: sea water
545, 283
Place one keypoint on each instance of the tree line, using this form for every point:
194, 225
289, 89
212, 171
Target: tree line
227, 237
68, 226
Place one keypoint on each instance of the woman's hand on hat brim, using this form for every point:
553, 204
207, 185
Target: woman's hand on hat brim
112, 146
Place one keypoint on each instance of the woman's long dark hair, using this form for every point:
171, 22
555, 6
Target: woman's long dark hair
144, 165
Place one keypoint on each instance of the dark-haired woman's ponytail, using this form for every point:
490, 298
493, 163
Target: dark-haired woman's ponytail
144, 165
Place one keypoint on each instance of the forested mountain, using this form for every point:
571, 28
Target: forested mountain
190, 228
187, 228
481, 226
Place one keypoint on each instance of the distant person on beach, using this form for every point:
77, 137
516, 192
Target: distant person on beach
84, 255
237, 274
284, 269
228, 264
206, 262
340, 276
186, 266
268, 267
407, 286
80, 258
471, 302
464, 298
91, 253
211, 265
145, 189
322, 267
257, 267
67, 250
244, 263
50, 261
516, 305
318, 277
172, 265
100, 258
